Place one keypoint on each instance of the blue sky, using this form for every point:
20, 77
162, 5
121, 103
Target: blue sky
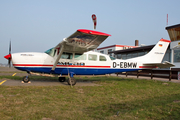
37, 25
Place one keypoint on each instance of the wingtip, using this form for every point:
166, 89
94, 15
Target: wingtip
93, 32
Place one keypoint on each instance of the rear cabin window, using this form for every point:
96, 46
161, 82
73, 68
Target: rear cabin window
66, 55
78, 56
92, 57
102, 58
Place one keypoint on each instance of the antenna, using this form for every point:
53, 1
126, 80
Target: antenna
167, 19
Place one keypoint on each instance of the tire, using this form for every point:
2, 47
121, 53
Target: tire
62, 79
72, 80
26, 79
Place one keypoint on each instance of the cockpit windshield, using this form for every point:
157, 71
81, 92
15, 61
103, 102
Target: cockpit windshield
51, 52
65, 55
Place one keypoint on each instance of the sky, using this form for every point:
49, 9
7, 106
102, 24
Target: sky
38, 25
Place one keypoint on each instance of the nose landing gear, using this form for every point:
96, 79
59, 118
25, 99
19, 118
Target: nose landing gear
26, 79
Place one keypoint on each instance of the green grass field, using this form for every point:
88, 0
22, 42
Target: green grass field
116, 98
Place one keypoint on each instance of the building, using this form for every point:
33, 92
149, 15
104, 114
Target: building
174, 35
109, 50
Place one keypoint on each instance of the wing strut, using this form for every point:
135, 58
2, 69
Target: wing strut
58, 57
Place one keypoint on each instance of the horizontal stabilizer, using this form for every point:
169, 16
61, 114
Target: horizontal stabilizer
165, 64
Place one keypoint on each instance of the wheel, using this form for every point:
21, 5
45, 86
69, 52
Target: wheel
62, 79
26, 79
72, 80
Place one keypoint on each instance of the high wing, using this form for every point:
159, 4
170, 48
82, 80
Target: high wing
165, 64
81, 41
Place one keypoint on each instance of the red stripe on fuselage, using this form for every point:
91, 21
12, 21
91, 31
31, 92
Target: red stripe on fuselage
40, 65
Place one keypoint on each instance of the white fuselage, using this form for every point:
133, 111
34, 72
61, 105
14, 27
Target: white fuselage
88, 63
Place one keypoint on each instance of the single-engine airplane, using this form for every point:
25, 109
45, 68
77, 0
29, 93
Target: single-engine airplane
74, 56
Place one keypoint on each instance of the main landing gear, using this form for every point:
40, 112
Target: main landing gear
70, 80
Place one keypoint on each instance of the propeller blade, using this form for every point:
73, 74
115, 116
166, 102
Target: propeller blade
10, 47
9, 62
9, 57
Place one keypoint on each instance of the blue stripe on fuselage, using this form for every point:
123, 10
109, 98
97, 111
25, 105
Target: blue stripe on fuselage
77, 71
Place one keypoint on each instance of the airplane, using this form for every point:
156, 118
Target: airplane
75, 56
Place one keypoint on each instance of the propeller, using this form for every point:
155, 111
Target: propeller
9, 57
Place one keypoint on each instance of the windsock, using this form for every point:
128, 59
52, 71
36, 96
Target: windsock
94, 20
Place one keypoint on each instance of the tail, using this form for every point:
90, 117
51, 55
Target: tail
156, 54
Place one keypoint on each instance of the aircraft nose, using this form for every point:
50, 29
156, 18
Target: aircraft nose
8, 56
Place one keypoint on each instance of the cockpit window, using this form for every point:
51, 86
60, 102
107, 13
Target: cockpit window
78, 56
112, 58
51, 52
66, 55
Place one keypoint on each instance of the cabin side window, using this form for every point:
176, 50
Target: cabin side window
78, 56
92, 57
102, 58
66, 55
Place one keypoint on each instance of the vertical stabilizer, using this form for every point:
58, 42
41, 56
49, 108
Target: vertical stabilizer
156, 54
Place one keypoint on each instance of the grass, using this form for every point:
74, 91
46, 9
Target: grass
116, 98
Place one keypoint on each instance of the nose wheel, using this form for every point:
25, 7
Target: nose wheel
26, 79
